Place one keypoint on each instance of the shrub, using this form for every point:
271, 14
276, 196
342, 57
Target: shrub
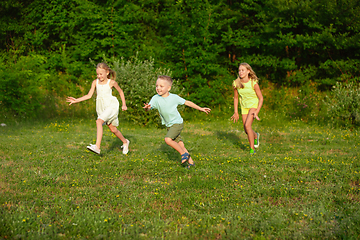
21, 86
344, 104
306, 104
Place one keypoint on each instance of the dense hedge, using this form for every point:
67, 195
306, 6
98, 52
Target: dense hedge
288, 42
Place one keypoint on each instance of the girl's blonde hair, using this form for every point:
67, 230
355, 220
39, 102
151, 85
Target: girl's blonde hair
252, 76
112, 73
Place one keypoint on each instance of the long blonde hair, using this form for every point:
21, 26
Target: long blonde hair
112, 73
252, 76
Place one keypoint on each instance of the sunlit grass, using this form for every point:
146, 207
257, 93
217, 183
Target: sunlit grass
302, 183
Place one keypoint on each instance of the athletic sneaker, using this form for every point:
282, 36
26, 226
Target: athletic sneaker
93, 148
125, 147
257, 141
252, 151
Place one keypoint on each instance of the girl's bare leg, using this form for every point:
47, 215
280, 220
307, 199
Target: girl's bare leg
247, 121
117, 133
99, 132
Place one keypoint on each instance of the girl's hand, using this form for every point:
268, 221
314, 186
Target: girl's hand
71, 100
205, 110
147, 107
256, 116
124, 107
235, 117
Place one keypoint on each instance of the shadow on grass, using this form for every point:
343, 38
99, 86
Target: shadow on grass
172, 154
232, 137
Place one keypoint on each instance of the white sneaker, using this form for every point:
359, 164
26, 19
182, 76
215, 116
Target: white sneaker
125, 147
258, 140
93, 148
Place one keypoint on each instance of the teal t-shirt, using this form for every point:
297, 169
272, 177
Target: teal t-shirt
167, 108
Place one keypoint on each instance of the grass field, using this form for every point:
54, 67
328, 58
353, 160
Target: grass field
303, 183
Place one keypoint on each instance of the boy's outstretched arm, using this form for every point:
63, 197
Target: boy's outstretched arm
193, 105
147, 106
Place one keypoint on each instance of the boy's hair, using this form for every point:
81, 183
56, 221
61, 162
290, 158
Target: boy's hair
112, 73
252, 76
166, 78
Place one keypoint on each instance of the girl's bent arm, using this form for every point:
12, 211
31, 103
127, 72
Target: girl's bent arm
72, 100
260, 96
193, 105
122, 96
235, 117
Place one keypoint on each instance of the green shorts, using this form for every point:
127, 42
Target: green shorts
174, 131
246, 110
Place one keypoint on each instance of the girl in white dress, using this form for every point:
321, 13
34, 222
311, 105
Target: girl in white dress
107, 105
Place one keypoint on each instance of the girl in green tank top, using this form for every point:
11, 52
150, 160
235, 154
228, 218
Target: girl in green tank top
247, 90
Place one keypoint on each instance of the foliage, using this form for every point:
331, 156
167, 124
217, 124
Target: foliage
137, 79
289, 44
303, 182
21, 86
307, 104
202, 42
344, 104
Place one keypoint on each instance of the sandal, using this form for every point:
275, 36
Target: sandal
185, 157
190, 165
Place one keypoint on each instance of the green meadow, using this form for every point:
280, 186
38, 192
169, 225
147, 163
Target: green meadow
303, 182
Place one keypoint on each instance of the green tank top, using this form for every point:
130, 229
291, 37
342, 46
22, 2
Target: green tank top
247, 95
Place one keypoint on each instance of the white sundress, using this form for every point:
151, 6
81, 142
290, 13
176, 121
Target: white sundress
107, 105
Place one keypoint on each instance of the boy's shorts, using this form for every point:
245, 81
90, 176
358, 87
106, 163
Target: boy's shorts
246, 110
174, 131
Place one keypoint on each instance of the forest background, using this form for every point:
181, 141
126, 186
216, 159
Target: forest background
306, 54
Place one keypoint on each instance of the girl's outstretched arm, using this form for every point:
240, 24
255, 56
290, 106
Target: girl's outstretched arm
72, 100
193, 105
235, 117
261, 100
121, 93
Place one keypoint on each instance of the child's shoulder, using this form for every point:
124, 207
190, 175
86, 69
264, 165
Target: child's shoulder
255, 81
173, 94
234, 82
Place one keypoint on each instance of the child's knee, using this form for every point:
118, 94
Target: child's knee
247, 128
99, 121
113, 129
168, 140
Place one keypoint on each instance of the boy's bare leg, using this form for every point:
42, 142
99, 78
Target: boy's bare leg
175, 145
181, 143
180, 147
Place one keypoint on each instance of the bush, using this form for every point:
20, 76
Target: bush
306, 104
137, 79
344, 104
22, 86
